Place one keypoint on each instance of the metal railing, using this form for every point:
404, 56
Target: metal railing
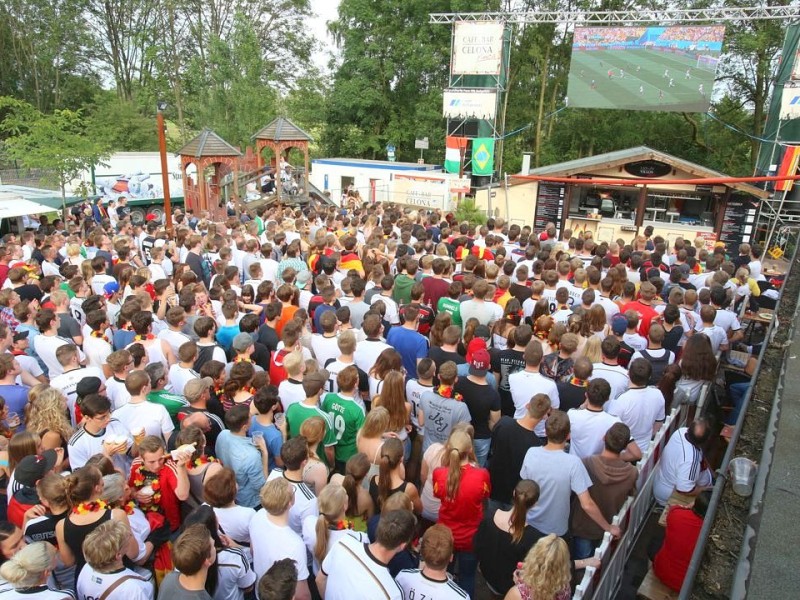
613, 554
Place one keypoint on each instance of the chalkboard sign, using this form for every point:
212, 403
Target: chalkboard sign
549, 205
739, 221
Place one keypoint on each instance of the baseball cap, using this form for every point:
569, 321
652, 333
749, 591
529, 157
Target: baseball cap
195, 387
302, 279
88, 385
474, 345
242, 342
314, 382
480, 362
21, 335
619, 324
111, 288
34, 466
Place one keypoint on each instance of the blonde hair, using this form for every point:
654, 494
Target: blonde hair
293, 362
46, 413
27, 567
376, 423
332, 502
102, 546
592, 350
546, 568
458, 448
276, 496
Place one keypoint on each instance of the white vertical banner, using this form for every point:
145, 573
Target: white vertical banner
477, 48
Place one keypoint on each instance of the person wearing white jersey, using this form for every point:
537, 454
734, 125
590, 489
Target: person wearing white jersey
431, 579
524, 384
642, 407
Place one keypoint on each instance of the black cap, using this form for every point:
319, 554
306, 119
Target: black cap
34, 466
88, 385
21, 335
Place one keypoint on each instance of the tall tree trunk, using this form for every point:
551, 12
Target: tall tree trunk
537, 147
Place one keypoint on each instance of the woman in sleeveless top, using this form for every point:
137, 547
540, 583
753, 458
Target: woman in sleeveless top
83, 489
47, 417
391, 477
200, 467
546, 572
393, 399
369, 439
28, 571
506, 326
432, 460
360, 506
239, 389
315, 473
388, 360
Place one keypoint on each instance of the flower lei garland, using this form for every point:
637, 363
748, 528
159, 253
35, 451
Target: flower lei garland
128, 507
239, 359
447, 391
84, 508
341, 525
101, 336
200, 461
578, 382
141, 478
142, 338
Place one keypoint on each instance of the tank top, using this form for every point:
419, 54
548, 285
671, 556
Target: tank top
74, 535
155, 354
375, 494
196, 482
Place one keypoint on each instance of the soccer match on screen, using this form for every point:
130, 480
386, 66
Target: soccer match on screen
644, 68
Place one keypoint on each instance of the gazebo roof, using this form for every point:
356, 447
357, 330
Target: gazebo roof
208, 143
282, 130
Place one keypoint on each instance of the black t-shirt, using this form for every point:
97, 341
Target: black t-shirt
29, 292
261, 356
217, 425
498, 555
569, 395
507, 362
520, 292
439, 356
147, 245
43, 529
481, 400
268, 337
510, 442
672, 338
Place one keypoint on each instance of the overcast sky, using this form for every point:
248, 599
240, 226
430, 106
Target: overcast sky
324, 10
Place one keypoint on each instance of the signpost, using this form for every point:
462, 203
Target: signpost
421, 145
390, 151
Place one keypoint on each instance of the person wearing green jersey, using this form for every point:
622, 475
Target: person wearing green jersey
451, 304
347, 415
299, 412
174, 403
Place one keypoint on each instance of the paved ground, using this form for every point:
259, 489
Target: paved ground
775, 571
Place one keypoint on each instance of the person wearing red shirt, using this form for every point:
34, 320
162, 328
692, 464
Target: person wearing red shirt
155, 471
435, 286
291, 342
462, 487
643, 307
672, 560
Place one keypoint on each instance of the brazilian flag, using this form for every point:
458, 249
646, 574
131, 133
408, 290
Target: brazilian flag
482, 156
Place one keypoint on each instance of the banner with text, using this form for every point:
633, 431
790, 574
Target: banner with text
466, 104
422, 192
477, 48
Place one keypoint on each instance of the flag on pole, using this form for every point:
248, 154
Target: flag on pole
454, 146
482, 156
791, 157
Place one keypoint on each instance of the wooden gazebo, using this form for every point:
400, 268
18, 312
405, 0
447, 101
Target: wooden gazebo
207, 150
280, 136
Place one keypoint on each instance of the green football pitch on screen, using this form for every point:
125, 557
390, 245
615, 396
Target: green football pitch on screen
645, 68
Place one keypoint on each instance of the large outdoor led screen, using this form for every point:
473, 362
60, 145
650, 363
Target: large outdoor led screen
644, 68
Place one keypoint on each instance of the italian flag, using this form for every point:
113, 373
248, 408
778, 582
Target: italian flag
452, 156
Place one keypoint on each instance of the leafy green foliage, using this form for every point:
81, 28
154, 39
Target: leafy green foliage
467, 211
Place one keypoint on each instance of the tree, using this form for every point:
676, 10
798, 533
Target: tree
120, 124
56, 141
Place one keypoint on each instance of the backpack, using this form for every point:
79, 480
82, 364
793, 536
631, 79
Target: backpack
207, 266
659, 364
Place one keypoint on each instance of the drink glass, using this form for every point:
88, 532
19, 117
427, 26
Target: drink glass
13, 420
257, 435
279, 419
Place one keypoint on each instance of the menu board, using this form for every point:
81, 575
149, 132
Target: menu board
549, 206
739, 222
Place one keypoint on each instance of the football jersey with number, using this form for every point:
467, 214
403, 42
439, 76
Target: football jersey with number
348, 417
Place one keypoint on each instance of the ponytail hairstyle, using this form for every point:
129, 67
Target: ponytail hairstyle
52, 489
458, 448
391, 457
526, 494
332, 505
355, 470
80, 485
27, 568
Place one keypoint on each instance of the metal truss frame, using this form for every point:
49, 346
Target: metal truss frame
626, 17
